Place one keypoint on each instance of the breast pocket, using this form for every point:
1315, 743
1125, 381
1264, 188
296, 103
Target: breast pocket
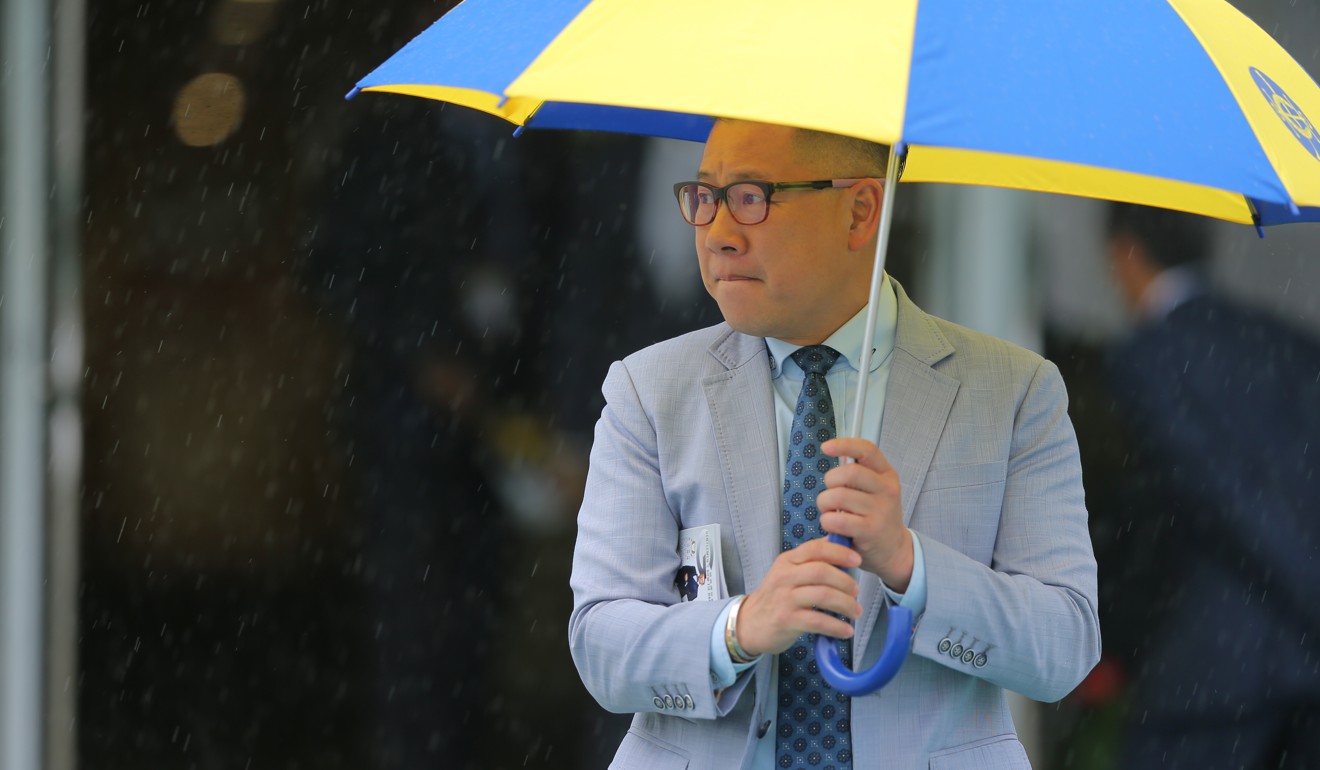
959, 476
959, 506
1002, 752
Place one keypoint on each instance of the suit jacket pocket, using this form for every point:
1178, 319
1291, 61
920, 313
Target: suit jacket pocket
639, 751
1001, 752
956, 476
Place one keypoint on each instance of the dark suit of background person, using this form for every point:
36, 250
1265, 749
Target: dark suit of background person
1223, 408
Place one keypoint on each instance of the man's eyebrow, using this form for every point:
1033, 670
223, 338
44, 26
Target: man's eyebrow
740, 176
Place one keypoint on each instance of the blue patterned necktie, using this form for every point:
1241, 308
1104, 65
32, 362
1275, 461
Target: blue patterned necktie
814, 719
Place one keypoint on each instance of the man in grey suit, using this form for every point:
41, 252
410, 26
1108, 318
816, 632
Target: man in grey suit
964, 498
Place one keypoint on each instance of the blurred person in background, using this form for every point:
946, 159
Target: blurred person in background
1217, 593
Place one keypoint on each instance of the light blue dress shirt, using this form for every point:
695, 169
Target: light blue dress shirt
786, 379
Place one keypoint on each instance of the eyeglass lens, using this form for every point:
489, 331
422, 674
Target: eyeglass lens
746, 202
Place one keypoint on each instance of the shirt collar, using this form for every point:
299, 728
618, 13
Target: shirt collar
847, 339
1170, 289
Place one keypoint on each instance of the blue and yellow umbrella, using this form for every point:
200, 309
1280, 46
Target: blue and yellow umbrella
1182, 104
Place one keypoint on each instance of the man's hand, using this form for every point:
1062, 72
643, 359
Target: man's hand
863, 500
801, 586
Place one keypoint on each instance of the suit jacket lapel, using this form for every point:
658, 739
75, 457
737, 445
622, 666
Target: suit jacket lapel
917, 404
743, 414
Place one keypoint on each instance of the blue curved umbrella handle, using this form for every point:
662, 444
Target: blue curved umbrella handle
857, 683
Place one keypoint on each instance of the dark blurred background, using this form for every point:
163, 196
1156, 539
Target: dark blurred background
342, 366
343, 363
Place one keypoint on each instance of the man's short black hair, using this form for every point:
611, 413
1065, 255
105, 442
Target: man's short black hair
1172, 238
849, 156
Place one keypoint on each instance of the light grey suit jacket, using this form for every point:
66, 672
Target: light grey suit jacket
979, 433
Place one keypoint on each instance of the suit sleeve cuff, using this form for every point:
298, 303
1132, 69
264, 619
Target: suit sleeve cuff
915, 597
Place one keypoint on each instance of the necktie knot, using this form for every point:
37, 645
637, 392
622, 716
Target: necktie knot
815, 359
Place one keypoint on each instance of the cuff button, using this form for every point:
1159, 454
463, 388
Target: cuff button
945, 644
981, 660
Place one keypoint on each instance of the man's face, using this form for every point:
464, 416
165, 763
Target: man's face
793, 276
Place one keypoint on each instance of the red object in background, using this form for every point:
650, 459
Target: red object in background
1105, 684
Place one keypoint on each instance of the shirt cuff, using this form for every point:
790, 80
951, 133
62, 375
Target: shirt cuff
915, 598
723, 671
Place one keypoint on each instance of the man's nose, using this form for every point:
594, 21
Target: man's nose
724, 233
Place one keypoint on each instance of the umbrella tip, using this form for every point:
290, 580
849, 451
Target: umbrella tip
517, 132
352, 93
1292, 208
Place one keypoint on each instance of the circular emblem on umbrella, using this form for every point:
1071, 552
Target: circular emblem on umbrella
1288, 111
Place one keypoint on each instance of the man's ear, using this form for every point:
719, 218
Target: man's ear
1128, 252
864, 217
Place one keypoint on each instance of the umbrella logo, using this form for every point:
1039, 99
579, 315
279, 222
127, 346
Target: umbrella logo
1288, 111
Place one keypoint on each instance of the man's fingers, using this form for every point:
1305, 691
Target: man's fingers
820, 574
814, 622
822, 550
827, 600
865, 453
859, 501
857, 476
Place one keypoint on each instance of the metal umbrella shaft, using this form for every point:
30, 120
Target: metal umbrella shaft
828, 659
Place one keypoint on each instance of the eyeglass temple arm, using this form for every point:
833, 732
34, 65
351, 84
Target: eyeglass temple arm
899, 634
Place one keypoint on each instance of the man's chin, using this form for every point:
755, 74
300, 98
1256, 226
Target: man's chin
747, 324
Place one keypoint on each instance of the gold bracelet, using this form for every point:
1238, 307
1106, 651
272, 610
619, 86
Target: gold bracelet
736, 652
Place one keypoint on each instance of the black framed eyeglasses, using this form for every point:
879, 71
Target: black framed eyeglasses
748, 202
